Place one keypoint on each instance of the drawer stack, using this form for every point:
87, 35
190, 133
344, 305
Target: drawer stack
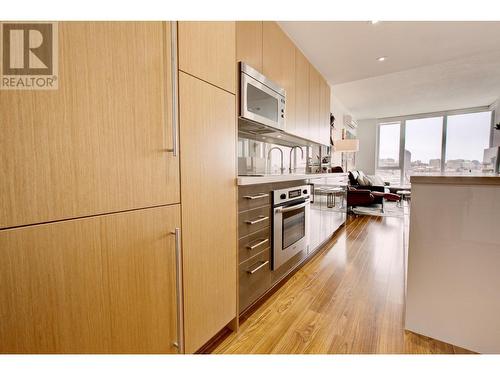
254, 228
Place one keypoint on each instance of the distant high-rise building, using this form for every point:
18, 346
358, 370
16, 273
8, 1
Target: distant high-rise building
435, 163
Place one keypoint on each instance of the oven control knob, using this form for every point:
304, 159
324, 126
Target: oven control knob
304, 191
283, 196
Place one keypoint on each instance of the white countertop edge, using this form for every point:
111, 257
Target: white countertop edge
255, 180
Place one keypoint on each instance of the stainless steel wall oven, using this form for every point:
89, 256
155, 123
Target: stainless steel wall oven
290, 223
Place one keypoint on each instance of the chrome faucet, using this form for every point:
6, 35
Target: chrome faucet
301, 156
281, 152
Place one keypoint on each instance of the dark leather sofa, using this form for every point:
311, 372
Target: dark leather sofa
361, 195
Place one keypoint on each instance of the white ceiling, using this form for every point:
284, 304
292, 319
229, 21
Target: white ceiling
430, 66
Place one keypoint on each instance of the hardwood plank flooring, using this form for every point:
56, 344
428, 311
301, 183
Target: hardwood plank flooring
348, 299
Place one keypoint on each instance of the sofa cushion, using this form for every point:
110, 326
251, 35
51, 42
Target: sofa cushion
362, 179
375, 180
353, 177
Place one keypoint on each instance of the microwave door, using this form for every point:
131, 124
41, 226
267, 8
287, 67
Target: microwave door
261, 104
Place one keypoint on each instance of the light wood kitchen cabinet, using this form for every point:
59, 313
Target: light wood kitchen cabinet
208, 189
301, 95
104, 284
278, 64
324, 112
249, 43
314, 104
98, 143
267, 48
207, 50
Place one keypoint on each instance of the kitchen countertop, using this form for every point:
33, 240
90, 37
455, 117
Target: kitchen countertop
479, 179
254, 180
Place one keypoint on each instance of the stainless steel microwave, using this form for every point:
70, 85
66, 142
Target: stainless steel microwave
262, 100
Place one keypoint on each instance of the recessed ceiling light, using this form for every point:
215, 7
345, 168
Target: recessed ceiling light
374, 22
381, 58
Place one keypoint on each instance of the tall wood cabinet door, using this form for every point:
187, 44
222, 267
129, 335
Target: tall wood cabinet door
98, 143
278, 64
208, 183
301, 95
249, 43
207, 50
103, 284
324, 112
141, 266
314, 104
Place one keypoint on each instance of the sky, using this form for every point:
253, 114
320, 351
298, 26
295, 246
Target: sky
467, 137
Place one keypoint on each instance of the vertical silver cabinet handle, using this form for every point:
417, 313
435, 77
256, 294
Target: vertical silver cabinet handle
179, 288
173, 64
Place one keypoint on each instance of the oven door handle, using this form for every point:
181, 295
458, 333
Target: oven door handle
292, 208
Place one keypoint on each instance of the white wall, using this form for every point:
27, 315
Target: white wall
339, 110
367, 135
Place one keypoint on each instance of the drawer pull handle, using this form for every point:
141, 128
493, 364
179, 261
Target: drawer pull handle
258, 196
261, 242
259, 220
263, 264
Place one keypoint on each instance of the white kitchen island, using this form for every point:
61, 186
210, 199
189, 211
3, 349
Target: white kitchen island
453, 280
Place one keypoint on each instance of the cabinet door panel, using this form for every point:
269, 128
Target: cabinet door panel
314, 104
301, 95
207, 50
98, 143
324, 112
104, 284
140, 250
278, 64
208, 181
249, 43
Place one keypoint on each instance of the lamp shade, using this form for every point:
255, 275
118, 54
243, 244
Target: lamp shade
346, 145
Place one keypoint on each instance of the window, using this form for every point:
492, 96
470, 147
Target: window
467, 136
423, 144
415, 145
389, 135
388, 163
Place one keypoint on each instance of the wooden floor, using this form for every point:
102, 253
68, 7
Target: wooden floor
348, 299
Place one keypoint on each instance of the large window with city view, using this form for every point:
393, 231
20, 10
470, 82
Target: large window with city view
388, 151
418, 145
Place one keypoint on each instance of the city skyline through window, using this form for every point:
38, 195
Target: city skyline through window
467, 135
